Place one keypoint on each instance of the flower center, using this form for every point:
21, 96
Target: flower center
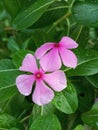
57, 45
38, 75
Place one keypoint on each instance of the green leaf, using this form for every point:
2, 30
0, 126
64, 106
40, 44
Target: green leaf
86, 13
79, 127
93, 79
8, 74
47, 122
12, 6
7, 121
85, 92
91, 117
53, 13
12, 45
30, 15
87, 63
45, 110
14, 128
20, 56
66, 101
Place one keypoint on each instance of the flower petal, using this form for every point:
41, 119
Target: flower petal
43, 49
24, 84
51, 61
29, 64
56, 80
68, 43
42, 94
68, 57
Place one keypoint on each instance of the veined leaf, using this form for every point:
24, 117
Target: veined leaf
87, 63
47, 122
8, 74
66, 101
30, 15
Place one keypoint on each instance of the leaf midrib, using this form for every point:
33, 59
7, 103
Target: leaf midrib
36, 10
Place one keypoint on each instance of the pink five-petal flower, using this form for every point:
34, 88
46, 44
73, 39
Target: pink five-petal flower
42, 94
51, 54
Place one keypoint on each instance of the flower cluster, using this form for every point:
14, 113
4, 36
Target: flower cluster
47, 77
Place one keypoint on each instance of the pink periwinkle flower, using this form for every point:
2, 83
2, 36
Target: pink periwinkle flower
42, 94
51, 54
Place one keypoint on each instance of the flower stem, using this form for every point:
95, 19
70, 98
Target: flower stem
25, 118
42, 108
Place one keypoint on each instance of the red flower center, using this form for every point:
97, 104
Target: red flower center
38, 75
57, 45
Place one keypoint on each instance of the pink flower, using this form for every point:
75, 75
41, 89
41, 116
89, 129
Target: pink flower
51, 54
42, 93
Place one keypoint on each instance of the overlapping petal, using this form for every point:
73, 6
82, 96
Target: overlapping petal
24, 84
68, 57
51, 61
43, 49
29, 64
68, 43
56, 80
42, 93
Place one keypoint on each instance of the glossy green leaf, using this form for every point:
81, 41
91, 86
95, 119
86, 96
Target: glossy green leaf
12, 6
87, 63
8, 74
30, 15
86, 13
53, 13
66, 101
93, 79
45, 110
85, 92
47, 122
91, 117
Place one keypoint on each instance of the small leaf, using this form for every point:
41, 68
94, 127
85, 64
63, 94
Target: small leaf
30, 15
47, 122
91, 117
7, 121
79, 127
66, 101
12, 45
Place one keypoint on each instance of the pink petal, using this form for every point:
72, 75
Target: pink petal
68, 43
29, 64
68, 57
51, 61
56, 80
24, 84
42, 94
43, 49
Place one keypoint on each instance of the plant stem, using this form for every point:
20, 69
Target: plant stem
79, 32
42, 110
25, 118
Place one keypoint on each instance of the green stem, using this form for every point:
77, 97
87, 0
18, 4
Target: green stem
69, 12
79, 32
42, 110
58, 21
25, 118
68, 23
